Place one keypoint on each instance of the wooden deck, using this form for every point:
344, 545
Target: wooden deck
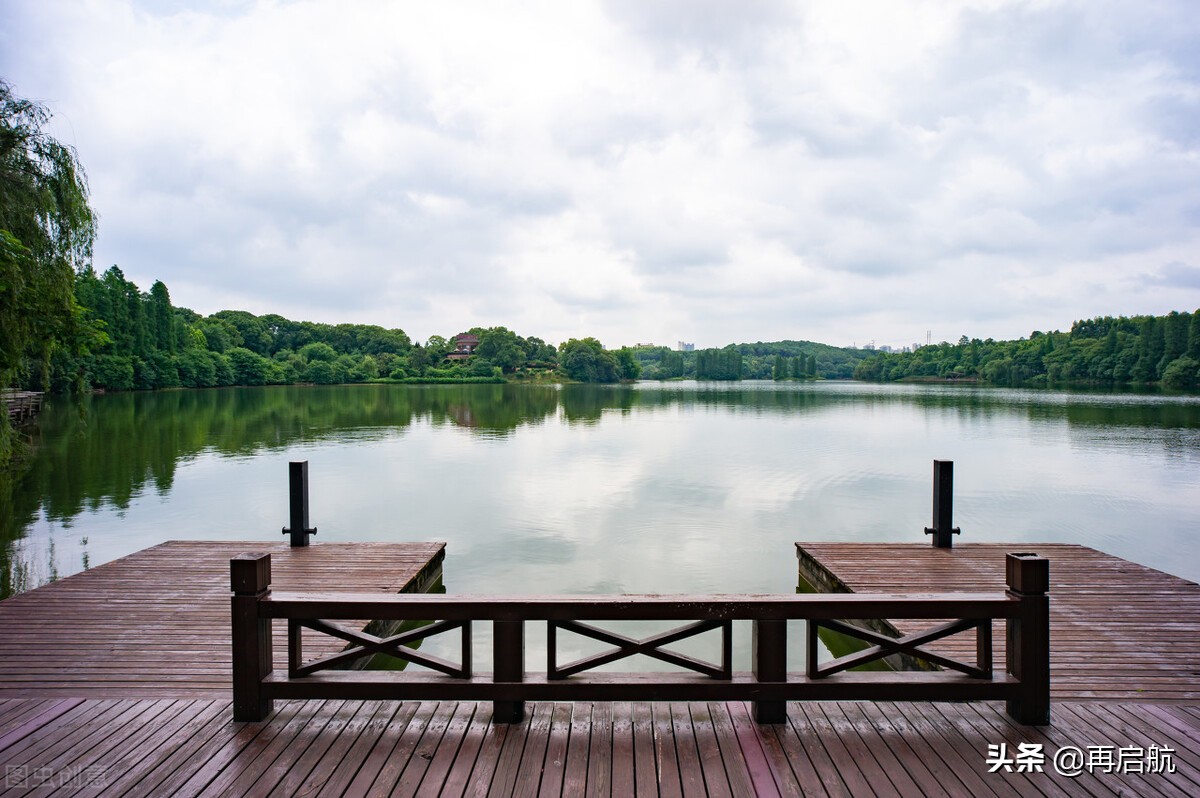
156, 623
1119, 631
116, 681
22, 406
190, 747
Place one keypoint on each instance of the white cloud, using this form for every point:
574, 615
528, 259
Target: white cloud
634, 171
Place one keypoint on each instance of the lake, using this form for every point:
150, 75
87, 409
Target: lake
675, 487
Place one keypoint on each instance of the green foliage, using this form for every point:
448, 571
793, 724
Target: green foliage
114, 372
249, 368
166, 346
320, 372
197, 368
46, 232
501, 347
1101, 351
495, 379
670, 365
318, 351
719, 364
587, 360
18, 306
161, 318
1182, 374
166, 372
627, 365
760, 361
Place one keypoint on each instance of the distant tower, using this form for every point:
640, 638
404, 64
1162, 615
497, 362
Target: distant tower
928, 337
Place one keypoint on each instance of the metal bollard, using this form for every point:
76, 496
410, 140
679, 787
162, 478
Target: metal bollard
943, 505
298, 504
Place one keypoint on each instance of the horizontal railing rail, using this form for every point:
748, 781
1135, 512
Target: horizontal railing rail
1023, 607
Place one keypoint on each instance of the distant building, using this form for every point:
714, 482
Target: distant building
684, 346
643, 346
464, 346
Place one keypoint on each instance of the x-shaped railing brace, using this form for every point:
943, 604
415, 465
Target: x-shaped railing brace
909, 644
651, 647
367, 644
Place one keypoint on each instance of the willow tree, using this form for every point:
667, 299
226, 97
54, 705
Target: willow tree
46, 231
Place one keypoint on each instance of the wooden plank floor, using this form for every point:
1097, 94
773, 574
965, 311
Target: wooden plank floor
1118, 630
157, 624
191, 747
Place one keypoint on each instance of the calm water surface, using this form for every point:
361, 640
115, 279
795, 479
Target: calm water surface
683, 487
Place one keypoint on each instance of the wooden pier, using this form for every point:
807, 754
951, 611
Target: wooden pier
1119, 631
318, 748
117, 681
156, 623
21, 406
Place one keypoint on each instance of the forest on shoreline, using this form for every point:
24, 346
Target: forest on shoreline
136, 340
129, 339
1104, 351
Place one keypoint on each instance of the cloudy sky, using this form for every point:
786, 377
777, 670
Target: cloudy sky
639, 171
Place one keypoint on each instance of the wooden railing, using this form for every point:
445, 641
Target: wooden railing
1025, 684
21, 405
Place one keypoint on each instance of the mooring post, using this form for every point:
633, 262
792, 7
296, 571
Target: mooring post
250, 579
768, 643
508, 665
1028, 638
298, 503
943, 505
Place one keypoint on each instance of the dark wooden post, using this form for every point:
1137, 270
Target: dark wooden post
1028, 638
943, 505
298, 504
250, 578
768, 644
508, 665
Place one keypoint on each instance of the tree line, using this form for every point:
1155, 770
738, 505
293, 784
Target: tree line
129, 339
1106, 351
139, 341
777, 360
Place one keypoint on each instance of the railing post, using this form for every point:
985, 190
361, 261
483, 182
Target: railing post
508, 665
943, 528
250, 578
1028, 638
769, 652
298, 504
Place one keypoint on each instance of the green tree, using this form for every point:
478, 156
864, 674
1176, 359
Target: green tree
587, 360
1193, 347
1175, 337
1182, 374
437, 347
1151, 345
318, 351
671, 365
719, 364
249, 368
501, 347
256, 335
321, 372
47, 228
162, 318
197, 368
627, 364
